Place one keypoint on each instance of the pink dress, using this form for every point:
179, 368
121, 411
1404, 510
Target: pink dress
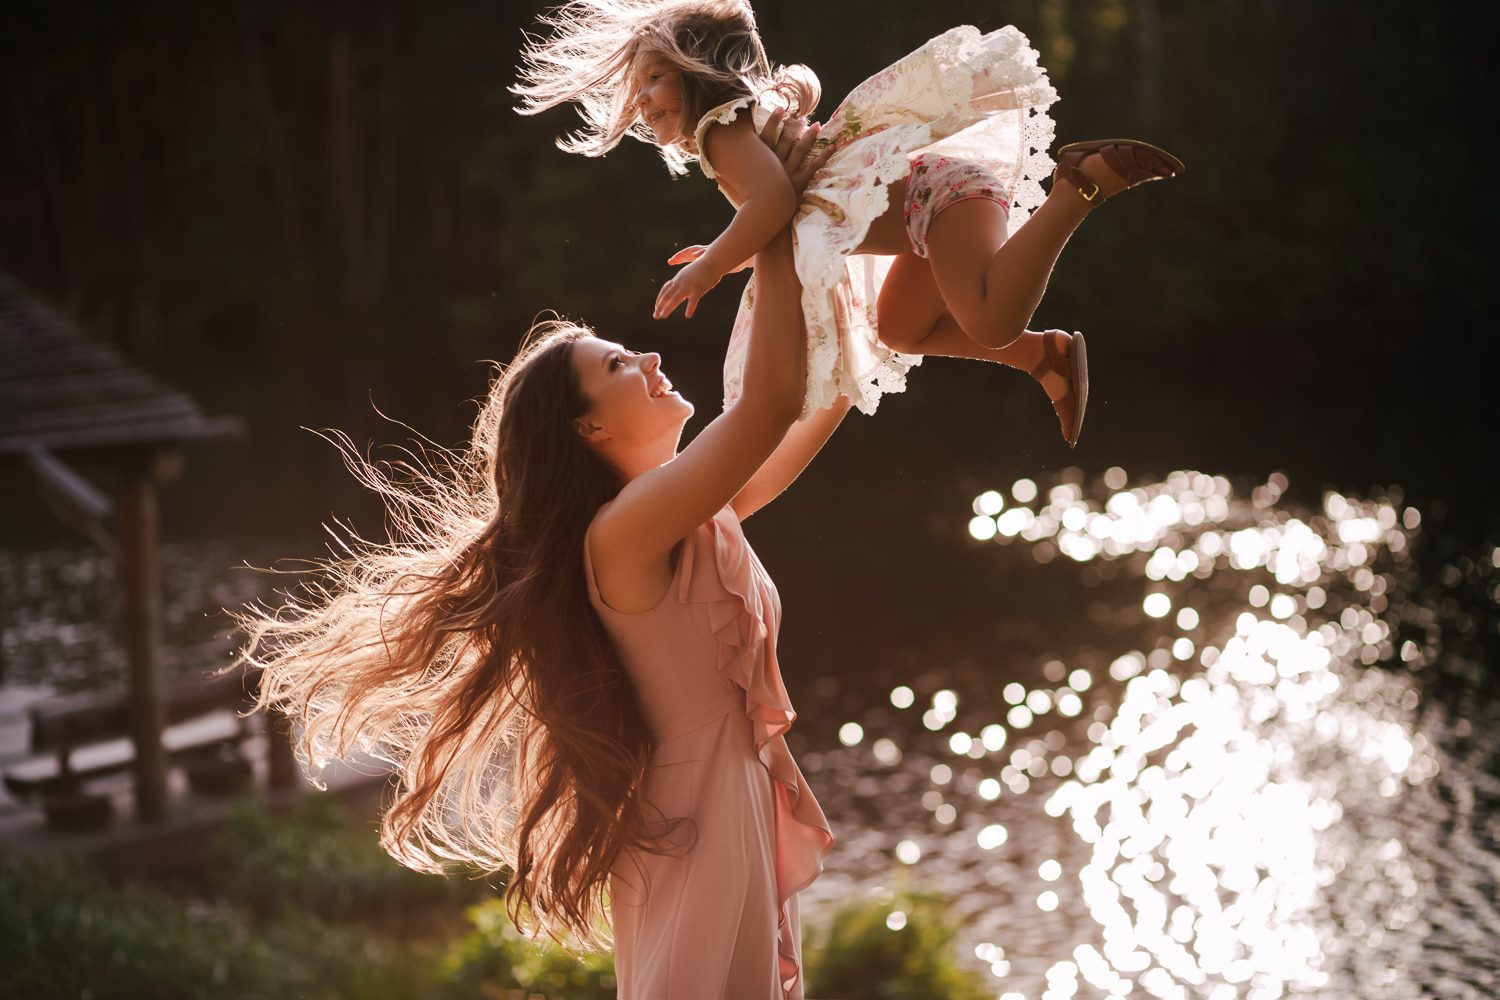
721, 917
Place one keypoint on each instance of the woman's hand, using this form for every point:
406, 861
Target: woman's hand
792, 142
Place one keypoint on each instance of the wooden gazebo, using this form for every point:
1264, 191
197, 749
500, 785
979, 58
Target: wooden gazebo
68, 399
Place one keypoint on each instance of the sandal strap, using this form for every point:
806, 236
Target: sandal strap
1067, 170
1135, 162
1054, 354
1053, 360
1121, 159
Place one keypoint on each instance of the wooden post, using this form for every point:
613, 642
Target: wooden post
140, 580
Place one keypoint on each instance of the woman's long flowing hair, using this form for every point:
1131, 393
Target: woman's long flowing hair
595, 45
464, 652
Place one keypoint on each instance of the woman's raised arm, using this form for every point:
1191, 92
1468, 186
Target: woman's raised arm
659, 507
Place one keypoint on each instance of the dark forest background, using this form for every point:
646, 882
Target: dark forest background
297, 210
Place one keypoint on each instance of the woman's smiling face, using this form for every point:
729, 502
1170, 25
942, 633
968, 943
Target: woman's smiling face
631, 401
656, 88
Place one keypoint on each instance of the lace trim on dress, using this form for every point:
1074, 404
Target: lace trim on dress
722, 115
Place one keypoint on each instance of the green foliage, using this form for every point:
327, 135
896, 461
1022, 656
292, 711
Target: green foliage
63, 935
355, 960
312, 861
64, 932
858, 955
855, 955
300, 905
494, 954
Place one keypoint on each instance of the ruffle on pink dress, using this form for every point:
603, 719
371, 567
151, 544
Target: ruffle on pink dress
718, 918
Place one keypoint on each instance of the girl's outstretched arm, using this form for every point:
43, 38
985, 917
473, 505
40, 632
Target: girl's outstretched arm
793, 143
768, 202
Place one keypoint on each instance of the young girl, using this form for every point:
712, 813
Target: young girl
901, 238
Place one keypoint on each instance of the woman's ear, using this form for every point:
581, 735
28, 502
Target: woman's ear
590, 432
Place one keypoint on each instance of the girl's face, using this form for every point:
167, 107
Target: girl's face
634, 415
656, 86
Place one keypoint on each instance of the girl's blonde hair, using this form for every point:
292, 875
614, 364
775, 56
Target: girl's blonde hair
596, 44
464, 652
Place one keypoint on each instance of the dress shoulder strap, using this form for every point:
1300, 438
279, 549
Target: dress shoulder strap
682, 559
723, 115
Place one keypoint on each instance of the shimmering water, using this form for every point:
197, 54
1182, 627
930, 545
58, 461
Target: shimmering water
1263, 764
1254, 754
60, 612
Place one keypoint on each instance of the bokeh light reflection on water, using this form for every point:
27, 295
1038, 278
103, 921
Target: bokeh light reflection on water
1236, 801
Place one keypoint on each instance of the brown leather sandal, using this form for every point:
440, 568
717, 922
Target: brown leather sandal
1076, 366
1135, 161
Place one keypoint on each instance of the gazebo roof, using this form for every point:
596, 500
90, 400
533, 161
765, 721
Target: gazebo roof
61, 389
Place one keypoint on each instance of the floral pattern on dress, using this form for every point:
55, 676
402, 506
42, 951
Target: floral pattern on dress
935, 183
971, 96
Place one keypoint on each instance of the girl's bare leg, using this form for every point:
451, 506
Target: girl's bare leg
914, 320
992, 284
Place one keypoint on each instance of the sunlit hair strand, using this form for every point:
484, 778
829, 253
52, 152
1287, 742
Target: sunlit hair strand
593, 49
464, 653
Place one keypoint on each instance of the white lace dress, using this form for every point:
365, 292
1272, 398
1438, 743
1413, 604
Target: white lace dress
962, 94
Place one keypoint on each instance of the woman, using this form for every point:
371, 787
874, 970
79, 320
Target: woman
694, 617
496, 654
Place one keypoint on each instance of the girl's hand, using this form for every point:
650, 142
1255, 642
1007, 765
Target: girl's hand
688, 285
689, 254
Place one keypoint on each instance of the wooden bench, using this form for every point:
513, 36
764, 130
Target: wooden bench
76, 737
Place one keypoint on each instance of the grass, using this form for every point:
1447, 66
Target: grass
307, 905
